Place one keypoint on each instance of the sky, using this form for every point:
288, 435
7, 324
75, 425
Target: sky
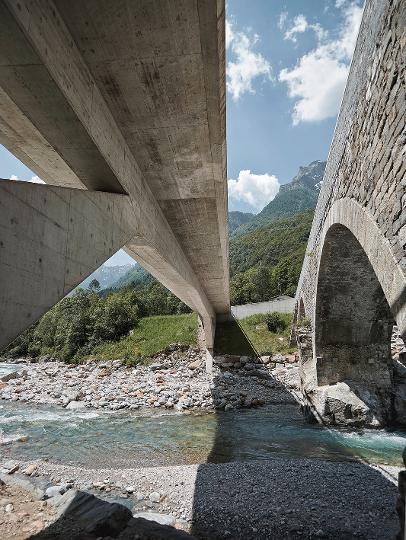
287, 63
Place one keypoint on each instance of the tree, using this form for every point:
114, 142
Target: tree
94, 286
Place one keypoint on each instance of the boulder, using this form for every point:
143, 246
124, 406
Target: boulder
10, 467
9, 376
340, 405
196, 364
76, 405
28, 471
52, 491
92, 514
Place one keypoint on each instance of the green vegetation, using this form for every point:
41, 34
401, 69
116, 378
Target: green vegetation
250, 336
267, 262
236, 218
153, 334
293, 198
275, 322
87, 324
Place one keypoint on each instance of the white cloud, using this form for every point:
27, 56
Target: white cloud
36, 180
282, 20
301, 25
318, 80
246, 64
257, 190
33, 179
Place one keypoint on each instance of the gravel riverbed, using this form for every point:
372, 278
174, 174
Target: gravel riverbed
176, 380
276, 499
279, 498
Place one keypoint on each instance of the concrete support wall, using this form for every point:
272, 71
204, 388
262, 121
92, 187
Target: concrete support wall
51, 238
353, 292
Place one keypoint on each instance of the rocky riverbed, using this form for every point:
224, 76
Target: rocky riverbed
176, 379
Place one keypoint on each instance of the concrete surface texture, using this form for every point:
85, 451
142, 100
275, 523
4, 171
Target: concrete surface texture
282, 304
127, 98
353, 282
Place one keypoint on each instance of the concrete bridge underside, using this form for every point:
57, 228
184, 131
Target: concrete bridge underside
352, 288
120, 108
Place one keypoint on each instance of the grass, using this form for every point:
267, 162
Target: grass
153, 334
250, 336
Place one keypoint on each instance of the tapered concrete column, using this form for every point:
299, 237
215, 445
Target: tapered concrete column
51, 239
207, 327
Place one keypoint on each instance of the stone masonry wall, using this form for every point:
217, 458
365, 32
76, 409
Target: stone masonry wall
367, 162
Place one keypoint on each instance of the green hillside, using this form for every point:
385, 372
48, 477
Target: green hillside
266, 262
236, 218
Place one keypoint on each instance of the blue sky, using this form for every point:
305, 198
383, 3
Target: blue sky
287, 64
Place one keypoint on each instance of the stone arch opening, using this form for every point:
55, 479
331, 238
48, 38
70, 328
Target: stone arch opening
353, 322
301, 313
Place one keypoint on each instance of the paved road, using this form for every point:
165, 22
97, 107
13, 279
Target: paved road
282, 304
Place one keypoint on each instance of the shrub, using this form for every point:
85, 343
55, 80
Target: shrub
304, 322
275, 322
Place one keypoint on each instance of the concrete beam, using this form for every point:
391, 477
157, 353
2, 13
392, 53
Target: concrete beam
51, 238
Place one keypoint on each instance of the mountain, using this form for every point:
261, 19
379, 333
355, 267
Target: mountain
236, 218
107, 275
298, 195
269, 244
267, 251
135, 277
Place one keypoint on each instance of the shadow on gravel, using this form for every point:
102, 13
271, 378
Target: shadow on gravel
284, 498
293, 499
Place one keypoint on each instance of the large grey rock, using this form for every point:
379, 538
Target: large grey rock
36, 487
9, 376
73, 405
94, 515
340, 405
52, 491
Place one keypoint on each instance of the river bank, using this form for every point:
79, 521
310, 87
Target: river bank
175, 380
228, 456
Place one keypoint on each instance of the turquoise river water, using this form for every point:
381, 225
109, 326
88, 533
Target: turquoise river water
99, 439
96, 439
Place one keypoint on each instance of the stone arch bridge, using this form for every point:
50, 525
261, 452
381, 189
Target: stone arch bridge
352, 288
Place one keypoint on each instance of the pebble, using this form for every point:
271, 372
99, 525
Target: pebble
154, 496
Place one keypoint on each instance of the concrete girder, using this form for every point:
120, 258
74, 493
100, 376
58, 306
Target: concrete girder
55, 119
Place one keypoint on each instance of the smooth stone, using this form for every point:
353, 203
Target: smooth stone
154, 496
162, 519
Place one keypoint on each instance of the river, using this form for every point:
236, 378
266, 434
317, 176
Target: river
99, 439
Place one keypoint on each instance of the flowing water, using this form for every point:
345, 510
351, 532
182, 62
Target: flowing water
97, 439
